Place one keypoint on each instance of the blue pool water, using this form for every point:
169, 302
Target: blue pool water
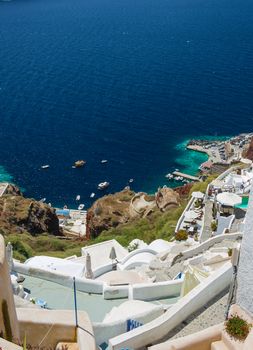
128, 81
244, 204
59, 297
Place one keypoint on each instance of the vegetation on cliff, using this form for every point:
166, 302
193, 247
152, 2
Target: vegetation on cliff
125, 207
36, 231
31, 226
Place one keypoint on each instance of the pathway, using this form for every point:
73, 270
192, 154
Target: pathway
210, 315
208, 217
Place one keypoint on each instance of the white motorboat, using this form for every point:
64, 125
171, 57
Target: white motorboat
80, 207
78, 197
103, 185
42, 200
45, 166
131, 180
104, 161
92, 195
169, 176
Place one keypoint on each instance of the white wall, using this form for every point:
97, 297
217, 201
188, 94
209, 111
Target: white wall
115, 292
83, 285
102, 270
156, 330
104, 331
151, 291
159, 290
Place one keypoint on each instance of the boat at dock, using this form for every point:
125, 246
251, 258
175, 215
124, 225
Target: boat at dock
131, 180
103, 185
178, 176
78, 197
169, 176
81, 206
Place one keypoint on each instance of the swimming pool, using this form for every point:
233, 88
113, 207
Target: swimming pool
59, 297
63, 212
244, 204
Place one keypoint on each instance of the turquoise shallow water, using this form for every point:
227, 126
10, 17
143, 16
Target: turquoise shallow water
188, 160
4, 175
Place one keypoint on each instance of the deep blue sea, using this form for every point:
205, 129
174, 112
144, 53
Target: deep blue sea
125, 80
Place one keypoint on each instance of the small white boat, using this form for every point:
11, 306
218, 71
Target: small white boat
131, 180
169, 176
104, 161
81, 206
78, 197
42, 200
92, 195
103, 185
45, 166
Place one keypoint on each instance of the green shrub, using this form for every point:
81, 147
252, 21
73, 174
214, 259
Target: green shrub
213, 225
237, 327
181, 235
20, 247
198, 204
230, 251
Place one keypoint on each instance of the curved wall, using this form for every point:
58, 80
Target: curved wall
157, 329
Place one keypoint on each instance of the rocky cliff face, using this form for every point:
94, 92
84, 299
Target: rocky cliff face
122, 207
166, 198
249, 153
109, 211
19, 214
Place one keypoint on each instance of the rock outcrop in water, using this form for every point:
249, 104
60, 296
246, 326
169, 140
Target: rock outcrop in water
122, 207
19, 214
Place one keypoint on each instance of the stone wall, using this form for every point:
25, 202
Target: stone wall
9, 329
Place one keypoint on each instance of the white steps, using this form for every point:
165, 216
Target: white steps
227, 343
219, 345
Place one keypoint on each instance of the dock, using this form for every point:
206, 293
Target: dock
186, 176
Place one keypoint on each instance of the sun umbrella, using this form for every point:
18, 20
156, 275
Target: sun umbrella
229, 199
9, 255
113, 255
191, 215
198, 195
88, 270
